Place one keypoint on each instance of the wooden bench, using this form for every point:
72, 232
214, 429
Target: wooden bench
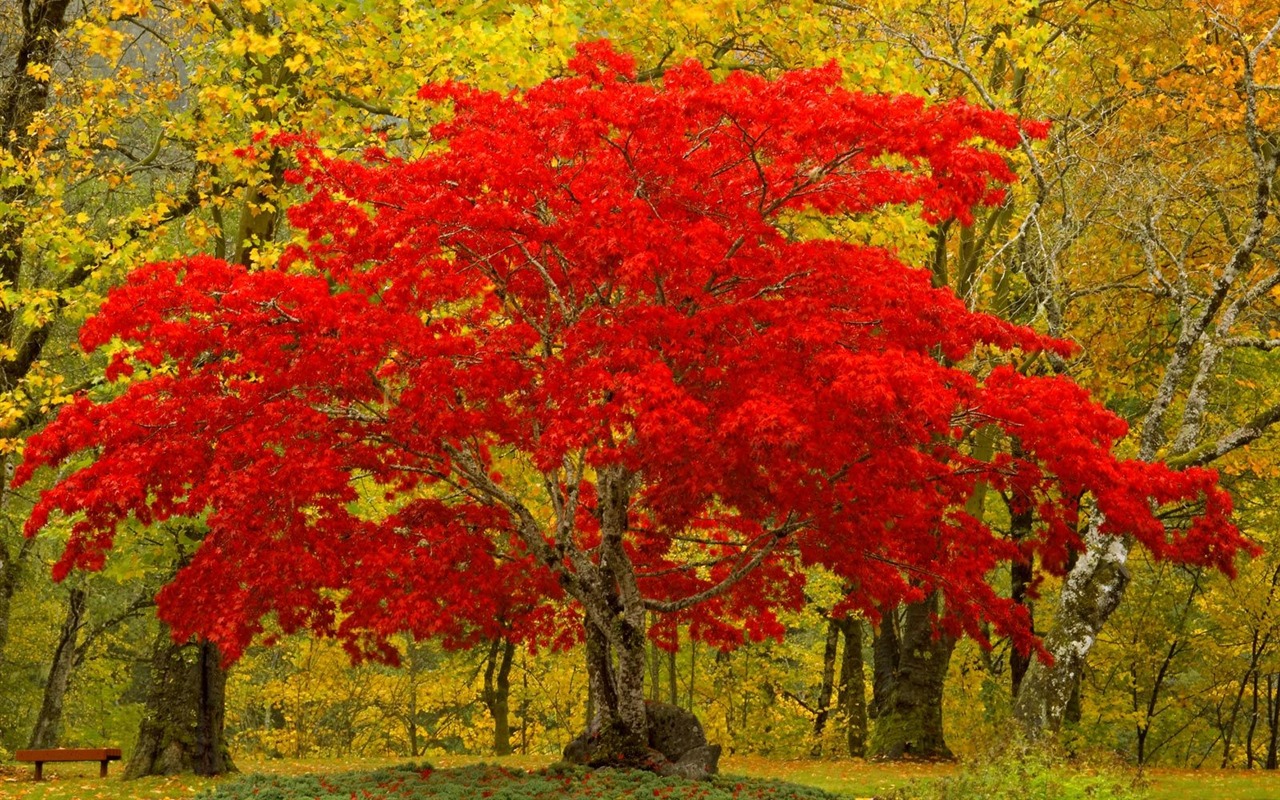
101, 754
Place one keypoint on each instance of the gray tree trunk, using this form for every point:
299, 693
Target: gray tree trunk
1091, 593
909, 718
182, 730
48, 727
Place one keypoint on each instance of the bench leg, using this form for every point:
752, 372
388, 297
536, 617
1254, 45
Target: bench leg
102, 773
39, 770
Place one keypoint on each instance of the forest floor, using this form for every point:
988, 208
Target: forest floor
853, 779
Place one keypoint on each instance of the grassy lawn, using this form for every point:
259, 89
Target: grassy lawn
1210, 784
850, 779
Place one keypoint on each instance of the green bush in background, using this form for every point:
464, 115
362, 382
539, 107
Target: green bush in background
1025, 772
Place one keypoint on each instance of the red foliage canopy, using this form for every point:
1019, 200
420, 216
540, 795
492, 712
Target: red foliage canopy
403, 426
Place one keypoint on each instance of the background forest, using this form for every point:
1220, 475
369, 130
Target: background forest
1142, 230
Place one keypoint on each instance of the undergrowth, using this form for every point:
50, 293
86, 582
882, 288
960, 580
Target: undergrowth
421, 782
1022, 772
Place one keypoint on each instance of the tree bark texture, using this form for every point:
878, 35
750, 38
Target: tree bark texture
885, 654
852, 697
1090, 594
909, 718
182, 729
615, 632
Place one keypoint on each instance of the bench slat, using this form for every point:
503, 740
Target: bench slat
68, 754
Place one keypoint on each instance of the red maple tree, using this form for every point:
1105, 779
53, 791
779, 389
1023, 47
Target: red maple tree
577, 359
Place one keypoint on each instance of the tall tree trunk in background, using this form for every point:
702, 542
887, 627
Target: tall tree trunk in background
1273, 720
48, 727
655, 673
497, 693
674, 698
1021, 574
412, 668
828, 683
1253, 726
909, 719
182, 730
693, 668
11, 563
22, 96
852, 698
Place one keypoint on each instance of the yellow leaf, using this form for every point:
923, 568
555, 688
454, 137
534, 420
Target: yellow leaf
41, 72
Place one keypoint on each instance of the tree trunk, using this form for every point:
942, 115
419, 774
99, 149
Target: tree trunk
182, 729
614, 623
11, 563
828, 683
497, 693
1021, 574
693, 669
885, 653
413, 667
1090, 594
671, 671
909, 720
600, 692
48, 728
1273, 719
655, 673
22, 97
852, 697
1253, 726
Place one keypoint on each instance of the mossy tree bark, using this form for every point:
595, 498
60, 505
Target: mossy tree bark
183, 728
852, 696
884, 661
909, 716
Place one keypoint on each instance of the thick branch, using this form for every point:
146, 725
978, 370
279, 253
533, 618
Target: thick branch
745, 566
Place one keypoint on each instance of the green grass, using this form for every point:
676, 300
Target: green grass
1212, 784
410, 782
851, 779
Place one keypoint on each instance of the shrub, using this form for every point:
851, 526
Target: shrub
421, 782
1022, 772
